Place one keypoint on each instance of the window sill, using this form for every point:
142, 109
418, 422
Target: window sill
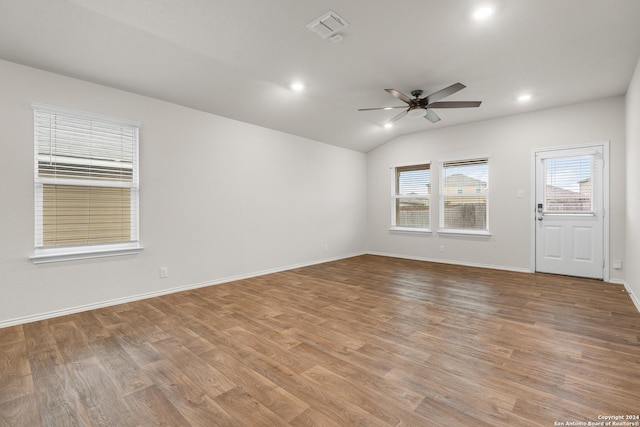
48, 255
585, 214
471, 233
410, 230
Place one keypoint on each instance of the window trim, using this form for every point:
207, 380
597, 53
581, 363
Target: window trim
441, 199
463, 232
394, 196
43, 254
71, 253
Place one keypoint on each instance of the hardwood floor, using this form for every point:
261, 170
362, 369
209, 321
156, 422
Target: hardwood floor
363, 341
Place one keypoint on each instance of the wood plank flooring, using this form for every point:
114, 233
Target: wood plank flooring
367, 341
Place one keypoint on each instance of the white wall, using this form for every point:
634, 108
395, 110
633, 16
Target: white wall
219, 199
633, 187
222, 199
509, 143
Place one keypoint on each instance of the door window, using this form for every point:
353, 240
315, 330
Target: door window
568, 186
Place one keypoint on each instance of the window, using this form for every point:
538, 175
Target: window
568, 184
464, 196
86, 184
411, 196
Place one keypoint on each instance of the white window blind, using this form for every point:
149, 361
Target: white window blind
569, 183
464, 195
411, 197
86, 179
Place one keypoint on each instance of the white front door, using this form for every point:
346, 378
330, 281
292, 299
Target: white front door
569, 212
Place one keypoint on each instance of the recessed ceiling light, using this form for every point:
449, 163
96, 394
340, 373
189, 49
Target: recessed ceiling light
388, 125
297, 86
482, 13
524, 97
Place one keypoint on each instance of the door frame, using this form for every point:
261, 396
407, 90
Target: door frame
605, 201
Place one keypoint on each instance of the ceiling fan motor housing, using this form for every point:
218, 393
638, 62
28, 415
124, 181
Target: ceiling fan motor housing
418, 105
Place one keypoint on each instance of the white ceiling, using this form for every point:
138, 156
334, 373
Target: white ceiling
236, 58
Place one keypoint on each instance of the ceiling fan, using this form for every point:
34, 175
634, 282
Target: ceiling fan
423, 106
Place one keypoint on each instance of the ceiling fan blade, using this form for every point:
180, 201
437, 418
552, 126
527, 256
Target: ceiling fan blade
432, 116
398, 117
381, 108
443, 93
401, 96
454, 104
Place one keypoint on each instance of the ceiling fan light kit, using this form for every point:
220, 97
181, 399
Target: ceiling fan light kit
423, 107
416, 112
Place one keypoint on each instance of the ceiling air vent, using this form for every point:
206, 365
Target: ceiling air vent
328, 25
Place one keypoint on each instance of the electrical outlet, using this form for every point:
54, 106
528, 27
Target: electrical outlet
441, 248
617, 264
164, 272
326, 247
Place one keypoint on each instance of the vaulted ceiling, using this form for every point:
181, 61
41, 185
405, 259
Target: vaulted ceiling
237, 58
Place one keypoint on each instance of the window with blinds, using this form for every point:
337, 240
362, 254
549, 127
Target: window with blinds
568, 184
411, 197
464, 195
86, 179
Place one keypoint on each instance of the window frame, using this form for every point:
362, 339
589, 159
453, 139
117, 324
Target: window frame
46, 254
395, 197
442, 195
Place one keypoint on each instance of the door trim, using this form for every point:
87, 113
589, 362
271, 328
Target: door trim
605, 201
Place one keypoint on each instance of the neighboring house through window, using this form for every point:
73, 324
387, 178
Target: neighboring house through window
568, 184
411, 197
464, 196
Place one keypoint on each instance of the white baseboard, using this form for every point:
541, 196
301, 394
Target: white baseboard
124, 300
634, 297
132, 298
461, 263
